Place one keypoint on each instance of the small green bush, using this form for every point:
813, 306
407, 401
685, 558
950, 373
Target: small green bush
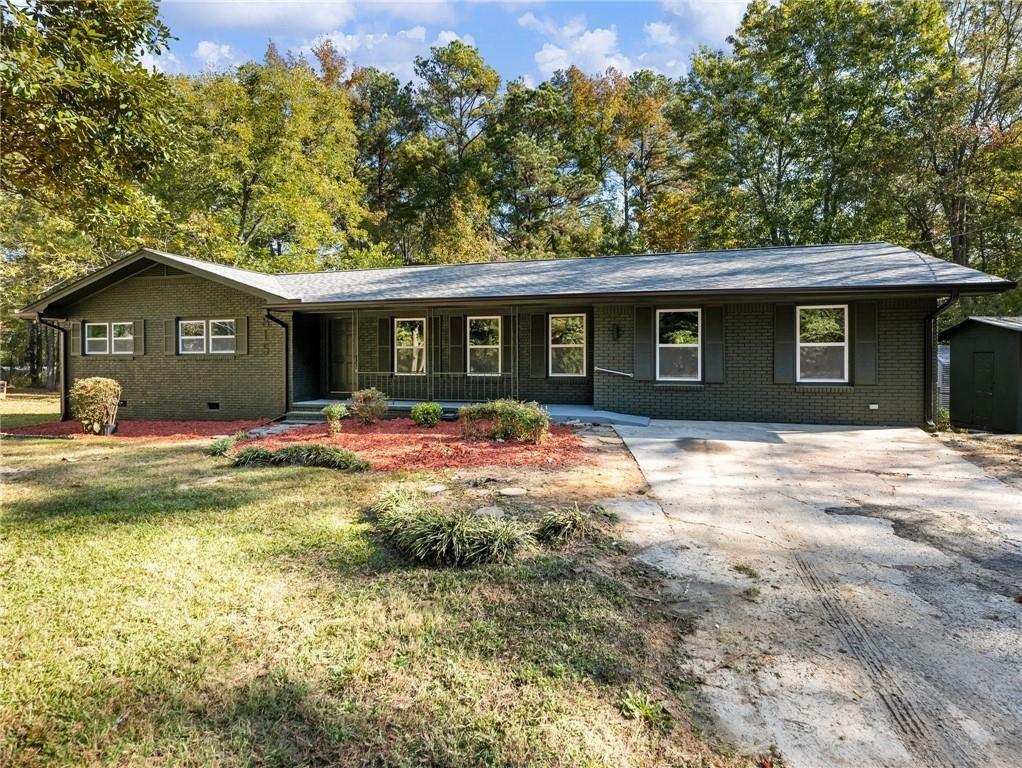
368, 405
334, 413
220, 447
504, 420
558, 526
641, 706
440, 537
94, 402
943, 419
427, 414
301, 455
253, 456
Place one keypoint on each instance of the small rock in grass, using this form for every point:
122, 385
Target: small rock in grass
513, 492
435, 489
495, 512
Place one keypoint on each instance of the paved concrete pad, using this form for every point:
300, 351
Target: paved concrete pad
881, 627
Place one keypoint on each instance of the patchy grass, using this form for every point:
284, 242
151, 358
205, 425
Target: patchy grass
746, 570
22, 409
161, 608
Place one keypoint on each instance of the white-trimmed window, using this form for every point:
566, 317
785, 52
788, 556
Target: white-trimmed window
191, 337
568, 345
97, 339
409, 346
122, 337
822, 334
222, 336
678, 344
484, 337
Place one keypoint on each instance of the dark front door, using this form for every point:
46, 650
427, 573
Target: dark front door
982, 388
341, 355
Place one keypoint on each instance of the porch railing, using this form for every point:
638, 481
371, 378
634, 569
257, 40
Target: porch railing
446, 387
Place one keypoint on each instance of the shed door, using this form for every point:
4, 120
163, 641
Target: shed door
982, 388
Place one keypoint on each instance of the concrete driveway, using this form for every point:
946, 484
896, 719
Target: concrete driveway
855, 589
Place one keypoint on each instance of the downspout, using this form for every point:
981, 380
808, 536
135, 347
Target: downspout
63, 364
287, 358
930, 376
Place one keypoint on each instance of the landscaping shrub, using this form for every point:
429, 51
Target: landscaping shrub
368, 405
505, 420
636, 705
558, 526
301, 455
220, 447
94, 402
440, 537
334, 413
427, 414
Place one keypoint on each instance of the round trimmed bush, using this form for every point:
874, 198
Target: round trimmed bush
94, 403
427, 414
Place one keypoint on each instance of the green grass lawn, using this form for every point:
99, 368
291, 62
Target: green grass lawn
160, 608
26, 407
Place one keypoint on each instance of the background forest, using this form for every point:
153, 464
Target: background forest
823, 121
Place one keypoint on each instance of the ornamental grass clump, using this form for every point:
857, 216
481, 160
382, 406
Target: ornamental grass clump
511, 420
301, 455
94, 403
441, 537
559, 526
369, 405
427, 414
334, 413
220, 447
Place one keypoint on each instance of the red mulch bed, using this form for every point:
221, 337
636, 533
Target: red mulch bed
142, 429
399, 444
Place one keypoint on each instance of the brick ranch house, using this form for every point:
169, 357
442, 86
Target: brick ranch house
818, 334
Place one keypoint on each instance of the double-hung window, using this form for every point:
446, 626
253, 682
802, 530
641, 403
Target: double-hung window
410, 346
678, 344
568, 345
191, 337
122, 337
97, 339
484, 346
222, 338
822, 344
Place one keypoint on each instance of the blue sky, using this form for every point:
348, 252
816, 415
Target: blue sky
520, 39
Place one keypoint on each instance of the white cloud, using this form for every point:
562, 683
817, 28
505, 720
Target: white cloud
573, 43
393, 52
212, 55
166, 62
660, 33
446, 36
715, 19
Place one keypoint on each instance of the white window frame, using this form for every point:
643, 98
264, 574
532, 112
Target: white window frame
469, 346
425, 345
233, 336
131, 336
698, 345
551, 346
799, 344
107, 338
181, 337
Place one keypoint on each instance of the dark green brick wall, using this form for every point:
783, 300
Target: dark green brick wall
162, 386
749, 392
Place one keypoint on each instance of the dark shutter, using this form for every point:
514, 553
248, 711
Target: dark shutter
784, 344
507, 343
170, 337
76, 337
713, 352
537, 346
865, 336
384, 357
241, 335
456, 344
138, 337
642, 364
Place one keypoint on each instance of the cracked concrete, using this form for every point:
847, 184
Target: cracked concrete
872, 619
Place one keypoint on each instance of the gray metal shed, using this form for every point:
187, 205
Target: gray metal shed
986, 373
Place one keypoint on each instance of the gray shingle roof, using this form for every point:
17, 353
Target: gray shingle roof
259, 280
1011, 323
864, 266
